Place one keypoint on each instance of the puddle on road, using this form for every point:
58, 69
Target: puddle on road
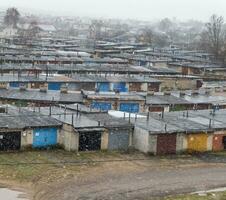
7, 194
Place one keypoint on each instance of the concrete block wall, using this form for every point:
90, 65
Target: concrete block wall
153, 144
26, 138
104, 140
141, 139
68, 138
183, 84
181, 145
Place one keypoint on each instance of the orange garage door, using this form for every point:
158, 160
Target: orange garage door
197, 142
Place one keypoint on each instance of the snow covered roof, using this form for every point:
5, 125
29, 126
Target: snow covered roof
45, 27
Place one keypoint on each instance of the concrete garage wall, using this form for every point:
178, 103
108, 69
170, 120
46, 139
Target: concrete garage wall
141, 139
26, 138
178, 83
210, 142
68, 138
144, 87
153, 144
181, 145
104, 140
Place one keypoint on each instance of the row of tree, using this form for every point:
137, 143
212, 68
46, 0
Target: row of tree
213, 38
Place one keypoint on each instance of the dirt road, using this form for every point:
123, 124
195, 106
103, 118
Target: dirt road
136, 180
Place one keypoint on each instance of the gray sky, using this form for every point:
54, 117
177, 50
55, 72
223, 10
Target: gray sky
135, 9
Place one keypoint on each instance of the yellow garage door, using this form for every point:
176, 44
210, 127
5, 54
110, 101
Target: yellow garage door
197, 142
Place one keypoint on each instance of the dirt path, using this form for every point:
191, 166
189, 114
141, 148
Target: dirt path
60, 175
139, 180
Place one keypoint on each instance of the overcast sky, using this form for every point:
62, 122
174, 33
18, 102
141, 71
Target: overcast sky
134, 9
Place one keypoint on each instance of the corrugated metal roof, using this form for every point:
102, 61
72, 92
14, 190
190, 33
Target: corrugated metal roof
19, 119
194, 121
35, 95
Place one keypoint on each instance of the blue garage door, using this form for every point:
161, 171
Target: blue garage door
129, 107
101, 106
14, 84
54, 86
103, 87
44, 137
121, 87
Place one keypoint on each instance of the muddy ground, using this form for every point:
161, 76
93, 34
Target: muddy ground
140, 183
114, 176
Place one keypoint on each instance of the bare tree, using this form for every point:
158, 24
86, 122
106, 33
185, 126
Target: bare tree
33, 29
146, 36
95, 29
12, 17
165, 25
161, 40
29, 33
213, 36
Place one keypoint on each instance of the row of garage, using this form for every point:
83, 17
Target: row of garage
82, 140
36, 138
94, 139
124, 107
113, 139
161, 144
99, 86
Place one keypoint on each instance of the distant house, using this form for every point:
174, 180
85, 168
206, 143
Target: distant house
9, 32
47, 28
44, 29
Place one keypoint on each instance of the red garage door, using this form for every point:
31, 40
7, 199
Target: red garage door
166, 144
